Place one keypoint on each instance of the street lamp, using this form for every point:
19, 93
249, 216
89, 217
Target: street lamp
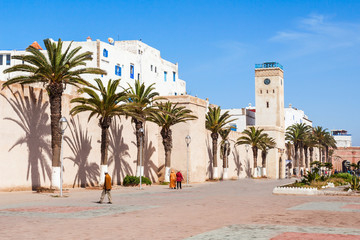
187, 140
141, 131
63, 126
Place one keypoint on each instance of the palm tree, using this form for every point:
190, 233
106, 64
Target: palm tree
266, 144
214, 122
54, 70
308, 144
140, 100
319, 134
168, 115
254, 138
296, 134
329, 143
225, 150
105, 107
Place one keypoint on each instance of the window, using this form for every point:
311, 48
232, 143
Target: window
151, 67
139, 76
260, 91
155, 69
175, 93
8, 59
174, 76
117, 70
1, 59
165, 73
105, 53
267, 104
233, 127
131, 71
273, 91
267, 91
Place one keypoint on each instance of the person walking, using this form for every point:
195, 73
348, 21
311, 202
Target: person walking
106, 189
172, 179
179, 178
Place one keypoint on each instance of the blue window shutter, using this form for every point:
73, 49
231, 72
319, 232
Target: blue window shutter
174, 76
105, 53
132, 71
165, 73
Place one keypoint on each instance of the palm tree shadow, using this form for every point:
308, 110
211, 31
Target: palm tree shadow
150, 168
238, 164
80, 145
209, 151
33, 120
248, 168
119, 150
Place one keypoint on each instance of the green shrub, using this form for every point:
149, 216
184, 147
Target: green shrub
346, 176
354, 184
133, 180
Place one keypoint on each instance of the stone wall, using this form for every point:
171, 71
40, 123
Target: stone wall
25, 144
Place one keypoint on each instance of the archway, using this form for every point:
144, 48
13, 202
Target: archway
345, 166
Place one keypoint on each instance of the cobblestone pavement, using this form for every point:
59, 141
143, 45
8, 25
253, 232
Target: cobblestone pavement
243, 209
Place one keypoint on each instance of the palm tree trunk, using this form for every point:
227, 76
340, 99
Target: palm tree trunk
296, 146
55, 91
166, 135
139, 136
306, 157
215, 137
311, 150
302, 165
263, 156
255, 152
104, 124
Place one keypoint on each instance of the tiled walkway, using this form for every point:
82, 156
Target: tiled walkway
244, 209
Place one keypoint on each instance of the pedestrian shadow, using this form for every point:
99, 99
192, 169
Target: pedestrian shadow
119, 151
33, 119
80, 145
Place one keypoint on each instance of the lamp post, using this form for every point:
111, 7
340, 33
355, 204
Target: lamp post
141, 131
63, 126
187, 140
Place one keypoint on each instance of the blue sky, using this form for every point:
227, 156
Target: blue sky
217, 43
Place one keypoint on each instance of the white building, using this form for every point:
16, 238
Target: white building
128, 60
294, 115
243, 117
342, 138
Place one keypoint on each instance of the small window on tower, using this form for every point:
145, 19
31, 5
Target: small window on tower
267, 104
267, 91
260, 91
273, 90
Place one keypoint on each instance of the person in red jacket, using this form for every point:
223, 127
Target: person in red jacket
179, 178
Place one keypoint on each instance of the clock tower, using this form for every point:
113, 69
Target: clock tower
269, 103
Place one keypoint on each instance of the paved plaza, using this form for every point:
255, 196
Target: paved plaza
242, 209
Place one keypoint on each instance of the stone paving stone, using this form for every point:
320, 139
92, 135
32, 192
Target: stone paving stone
328, 206
277, 232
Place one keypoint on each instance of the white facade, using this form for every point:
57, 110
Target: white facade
294, 115
243, 117
342, 138
128, 60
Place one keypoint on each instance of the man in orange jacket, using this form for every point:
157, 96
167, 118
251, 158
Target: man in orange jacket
106, 189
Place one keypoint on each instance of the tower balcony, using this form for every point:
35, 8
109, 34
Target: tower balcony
269, 65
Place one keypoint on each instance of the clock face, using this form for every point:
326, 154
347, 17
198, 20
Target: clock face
267, 81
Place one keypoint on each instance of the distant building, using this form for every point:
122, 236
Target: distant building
243, 117
294, 115
342, 138
128, 60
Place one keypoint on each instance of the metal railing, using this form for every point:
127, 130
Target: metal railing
269, 65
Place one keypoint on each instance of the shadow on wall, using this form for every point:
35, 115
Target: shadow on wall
80, 145
238, 164
209, 169
150, 168
33, 120
119, 150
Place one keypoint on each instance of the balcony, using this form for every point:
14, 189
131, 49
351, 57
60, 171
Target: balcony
269, 65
